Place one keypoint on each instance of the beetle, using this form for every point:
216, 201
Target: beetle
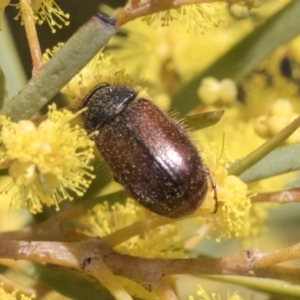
149, 155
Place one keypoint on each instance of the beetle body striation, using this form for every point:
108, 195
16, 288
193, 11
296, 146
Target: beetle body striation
150, 155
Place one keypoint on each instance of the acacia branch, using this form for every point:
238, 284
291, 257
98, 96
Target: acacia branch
33, 41
86, 255
282, 197
163, 290
278, 256
131, 12
143, 270
55, 228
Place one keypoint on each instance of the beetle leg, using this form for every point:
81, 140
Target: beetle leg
214, 187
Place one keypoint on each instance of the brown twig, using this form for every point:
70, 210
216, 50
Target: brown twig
121, 235
100, 271
33, 41
57, 227
131, 12
138, 228
90, 254
81, 254
282, 197
278, 256
163, 290
53, 229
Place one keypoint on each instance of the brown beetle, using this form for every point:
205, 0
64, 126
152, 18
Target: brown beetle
150, 155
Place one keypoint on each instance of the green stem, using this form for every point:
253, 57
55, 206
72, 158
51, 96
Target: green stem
240, 166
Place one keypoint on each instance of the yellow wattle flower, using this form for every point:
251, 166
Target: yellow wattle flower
203, 295
234, 203
47, 161
192, 18
158, 242
13, 295
46, 11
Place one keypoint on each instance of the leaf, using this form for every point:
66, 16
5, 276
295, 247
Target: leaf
70, 283
240, 166
280, 161
241, 59
279, 289
71, 58
206, 119
3, 91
